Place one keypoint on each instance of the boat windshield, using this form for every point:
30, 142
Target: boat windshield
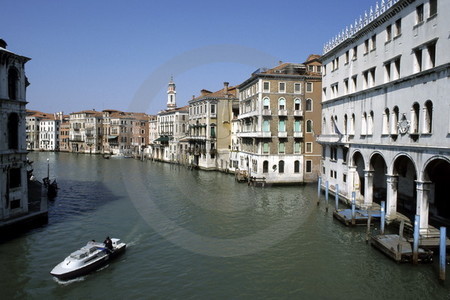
79, 254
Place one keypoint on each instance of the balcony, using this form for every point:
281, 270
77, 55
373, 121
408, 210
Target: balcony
298, 134
266, 112
329, 138
255, 134
282, 134
282, 112
197, 138
298, 113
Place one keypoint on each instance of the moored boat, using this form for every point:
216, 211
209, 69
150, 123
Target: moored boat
87, 259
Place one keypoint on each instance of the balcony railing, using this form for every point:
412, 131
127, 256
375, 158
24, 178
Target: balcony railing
298, 134
298, 113
266, 112
255, 134
282, 112
282, 134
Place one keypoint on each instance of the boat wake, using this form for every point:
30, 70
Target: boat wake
67, 282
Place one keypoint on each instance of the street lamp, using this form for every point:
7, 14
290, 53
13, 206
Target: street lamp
48, 168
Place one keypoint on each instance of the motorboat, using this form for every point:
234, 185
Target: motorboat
87, 259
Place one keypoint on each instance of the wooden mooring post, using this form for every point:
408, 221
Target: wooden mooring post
415, 256
442, 252
368, 227
383, 216
319, 183
400, 240
326, 195
336, 196
353, 207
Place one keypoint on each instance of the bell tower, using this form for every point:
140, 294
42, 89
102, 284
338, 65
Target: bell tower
171, 95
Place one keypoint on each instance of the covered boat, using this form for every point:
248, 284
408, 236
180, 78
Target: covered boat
89, 258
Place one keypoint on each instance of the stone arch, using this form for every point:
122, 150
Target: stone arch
378, 169
358, 163
436, 176
405, 169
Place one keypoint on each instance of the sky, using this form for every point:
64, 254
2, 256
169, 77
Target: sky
112, 54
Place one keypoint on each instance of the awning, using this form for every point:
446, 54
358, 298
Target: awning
111, 137
162, 139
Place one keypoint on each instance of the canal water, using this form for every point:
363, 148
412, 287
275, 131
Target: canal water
198, 235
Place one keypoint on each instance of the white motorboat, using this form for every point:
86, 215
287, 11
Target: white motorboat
89, 258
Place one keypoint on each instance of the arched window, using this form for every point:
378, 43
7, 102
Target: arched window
265, 166
309, 105
296, 166
324, 126
345, 124
370, 123
385, 129
415, 118
309, 127
428, 117
13, 78
364, 124
394, 118
281, 166
13, 131
266, 125
297, 126
281, 104
297, 104
266, 103
352, 124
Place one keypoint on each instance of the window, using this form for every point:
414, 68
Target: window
373, 44
281, 166
297, 126
14, 178
266, 86
346, 86
345, 124
265, 166
282, 87
266, 103
309, 148
352, 124
418, 60
213, 108
13, 131
281, 147
431, 48
282, 125
370, 123
428, 117
387, 72
395, 118
355, 53
364, 124
433, 7
281, 104
13, 78
311, 68
319, 69
386, 114
296, 166
347, 57
265, 148
415, 118
388, 33
396, 69
309, 127
344, 154
419, 14
309, 87
297, 88
297, 147
297, 104
308, 166
266, 125
398, 27
366, 46
309, 105
354, 83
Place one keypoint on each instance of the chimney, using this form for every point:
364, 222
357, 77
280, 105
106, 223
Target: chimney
225, 87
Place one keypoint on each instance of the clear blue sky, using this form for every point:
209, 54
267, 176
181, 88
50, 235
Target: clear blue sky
121, 54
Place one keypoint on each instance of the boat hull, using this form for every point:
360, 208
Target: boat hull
86, 269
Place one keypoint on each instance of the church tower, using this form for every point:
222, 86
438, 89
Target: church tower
171, 95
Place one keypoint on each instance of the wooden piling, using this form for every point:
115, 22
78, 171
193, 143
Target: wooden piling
353, 207
336, 196
400, 240
442, 252
383, 216
368, 227
319, 183
326, 195
416, 239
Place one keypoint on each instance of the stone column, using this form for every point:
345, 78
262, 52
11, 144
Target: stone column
368, 188
350, 182
422, 207
391, 196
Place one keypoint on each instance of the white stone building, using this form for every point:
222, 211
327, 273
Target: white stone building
49, 134
386, 125
13, 148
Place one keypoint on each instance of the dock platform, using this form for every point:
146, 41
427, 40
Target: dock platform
399, 249
361, 216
